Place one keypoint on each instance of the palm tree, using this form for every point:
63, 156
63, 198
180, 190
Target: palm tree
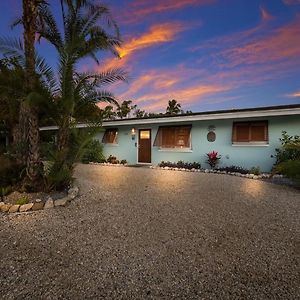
173, 108
28, 117
82, 37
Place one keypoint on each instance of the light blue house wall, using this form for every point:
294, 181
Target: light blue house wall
246, 156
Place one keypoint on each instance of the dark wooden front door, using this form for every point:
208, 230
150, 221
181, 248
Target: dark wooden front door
144, 146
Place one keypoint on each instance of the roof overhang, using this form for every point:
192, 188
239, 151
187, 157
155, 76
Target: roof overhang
220, 115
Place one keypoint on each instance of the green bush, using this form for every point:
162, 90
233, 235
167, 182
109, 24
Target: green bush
23, 200
255, 171
93, 152
290, 168
4, 191
290, 148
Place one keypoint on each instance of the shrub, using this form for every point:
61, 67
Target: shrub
290, 168
234, 169
23, 200
255, 171
123, 162
11, 172
290, 148
4, 191
213, 158
93, 152
180, 164
112, 160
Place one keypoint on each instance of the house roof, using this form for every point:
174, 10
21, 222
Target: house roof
267, 111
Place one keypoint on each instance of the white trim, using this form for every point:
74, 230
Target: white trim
190, 118
204, 117
182, 150
251, 144
111, 144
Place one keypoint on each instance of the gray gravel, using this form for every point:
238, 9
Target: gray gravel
137, 233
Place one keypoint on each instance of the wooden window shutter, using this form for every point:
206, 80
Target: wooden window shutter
110, 136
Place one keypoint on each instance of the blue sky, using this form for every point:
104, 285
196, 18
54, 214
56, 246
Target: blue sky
206, 54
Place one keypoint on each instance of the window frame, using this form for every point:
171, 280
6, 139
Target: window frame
159, 136
104, 138
251, 125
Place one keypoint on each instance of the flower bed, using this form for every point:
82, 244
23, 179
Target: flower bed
38, 204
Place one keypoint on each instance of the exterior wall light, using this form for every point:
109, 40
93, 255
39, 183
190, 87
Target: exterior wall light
133, 132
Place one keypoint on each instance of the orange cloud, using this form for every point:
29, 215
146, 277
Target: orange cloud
142, 8
281, 44
157, 34
293, 95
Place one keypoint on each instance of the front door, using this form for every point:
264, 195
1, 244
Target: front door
144, 153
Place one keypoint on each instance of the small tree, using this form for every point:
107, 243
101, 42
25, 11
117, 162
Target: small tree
173, 108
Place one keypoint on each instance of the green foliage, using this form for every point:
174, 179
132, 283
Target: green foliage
255, 171
4, 191
173, 108
123, 162
290, 148
180, 165
59, 169
290, 168
23, 200
233, 169
93, 152
112, 160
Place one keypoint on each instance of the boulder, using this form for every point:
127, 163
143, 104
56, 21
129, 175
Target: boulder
61, 202
49, 204
6, 207
38, 206
14, 208
25, 207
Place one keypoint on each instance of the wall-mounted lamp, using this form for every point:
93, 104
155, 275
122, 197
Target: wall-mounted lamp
133, 132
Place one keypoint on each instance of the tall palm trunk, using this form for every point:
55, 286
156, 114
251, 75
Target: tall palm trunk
27, 112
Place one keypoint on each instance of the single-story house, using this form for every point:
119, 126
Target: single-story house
243, 137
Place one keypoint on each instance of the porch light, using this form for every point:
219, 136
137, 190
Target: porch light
133, 132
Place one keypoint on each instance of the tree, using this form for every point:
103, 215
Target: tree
173, 108
138, 113
124, 109
81, 37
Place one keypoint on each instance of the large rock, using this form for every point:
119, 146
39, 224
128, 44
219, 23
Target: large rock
73, 192
62, 201
1, 204
6, 207
14, 208
49, 204
38, 206
25, 207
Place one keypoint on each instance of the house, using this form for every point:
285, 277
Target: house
243, 137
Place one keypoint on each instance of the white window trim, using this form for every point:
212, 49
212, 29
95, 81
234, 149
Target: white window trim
182, 150
111, 144
251, 144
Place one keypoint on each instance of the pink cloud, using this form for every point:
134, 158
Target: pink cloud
140, 9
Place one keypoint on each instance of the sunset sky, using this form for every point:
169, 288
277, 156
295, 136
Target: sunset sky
206, 54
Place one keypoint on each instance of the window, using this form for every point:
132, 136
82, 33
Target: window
110, 136
250, 132
173, 137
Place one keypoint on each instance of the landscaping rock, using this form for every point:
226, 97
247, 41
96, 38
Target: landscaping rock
6, 207
1, 204
14, 208
38, 200
73, 192
49, 204
38, 206
25, 207
61, 202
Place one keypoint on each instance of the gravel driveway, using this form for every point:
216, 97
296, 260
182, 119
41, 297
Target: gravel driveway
138, 233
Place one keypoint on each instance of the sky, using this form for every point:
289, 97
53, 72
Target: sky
206, 54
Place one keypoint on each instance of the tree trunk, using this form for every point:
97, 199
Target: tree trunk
31, 132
